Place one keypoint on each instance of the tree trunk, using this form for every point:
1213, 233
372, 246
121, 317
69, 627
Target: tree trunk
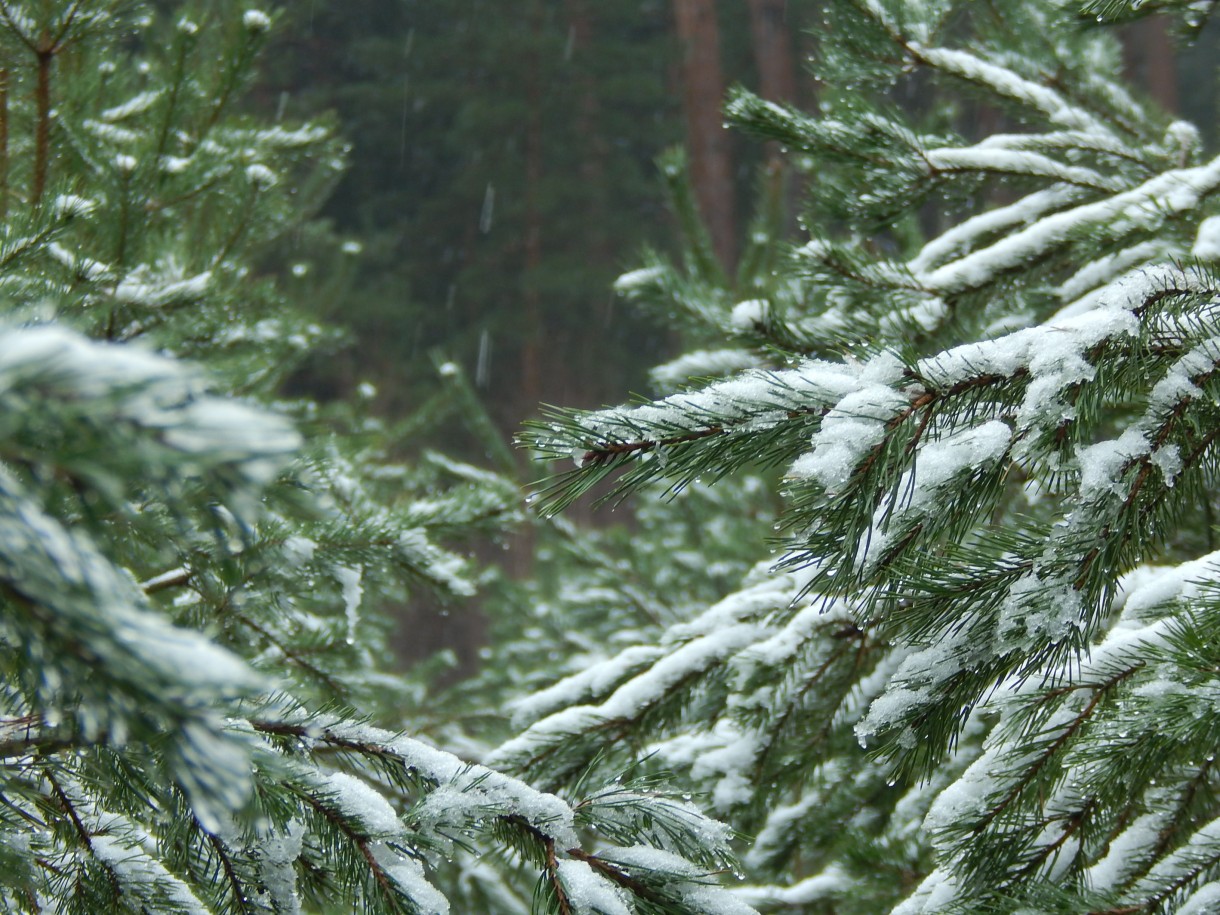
531, 364
1149, 60
3, 142
520, 556
773, 50
773, 56
706, 137
589, 130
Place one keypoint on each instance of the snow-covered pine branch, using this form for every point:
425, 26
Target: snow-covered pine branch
989, 380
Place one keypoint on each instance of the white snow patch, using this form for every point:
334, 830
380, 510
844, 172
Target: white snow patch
359, 802
260, 175
750, 314
852, 428
1207, 239
938, 465
1102, 464
588, 892
702, 364
350, 580
256, 20
932, 897
1146, 206
408, 875
832, 882
278, 854
1204, 901
299, 550
635, 279
144, 287
137, 104
144, 876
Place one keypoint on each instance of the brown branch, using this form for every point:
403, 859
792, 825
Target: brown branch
1074, 822
607, 869
239, 894
284, 729
45, 50
41, 748
336, 744
929, 398
68, 19
1145, 460
175, 578
239, 230
68, 808
361, 843
14, 27
604, 452
1153, 903
935, 171
1056, 745
41, 745
295, 657
1193, 787
86, 836
552, 870
848, 636
612, 731
622, 878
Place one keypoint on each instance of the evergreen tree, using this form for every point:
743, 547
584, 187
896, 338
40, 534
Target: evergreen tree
980, 675
196, 714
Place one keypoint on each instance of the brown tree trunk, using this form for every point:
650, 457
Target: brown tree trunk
582, 387
595, 149
42, 128
773, 50
773, 56
1148, 57
520, 557
531, 364
707, 140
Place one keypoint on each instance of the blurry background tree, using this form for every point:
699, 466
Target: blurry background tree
503, 175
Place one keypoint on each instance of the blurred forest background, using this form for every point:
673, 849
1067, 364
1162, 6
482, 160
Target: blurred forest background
502, 171
502, 174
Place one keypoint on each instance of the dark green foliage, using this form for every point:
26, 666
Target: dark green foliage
195, 708
478, 126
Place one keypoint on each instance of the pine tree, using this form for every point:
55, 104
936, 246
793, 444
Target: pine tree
980, 675
197, 714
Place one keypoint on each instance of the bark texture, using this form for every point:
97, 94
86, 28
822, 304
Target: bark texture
707, 139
